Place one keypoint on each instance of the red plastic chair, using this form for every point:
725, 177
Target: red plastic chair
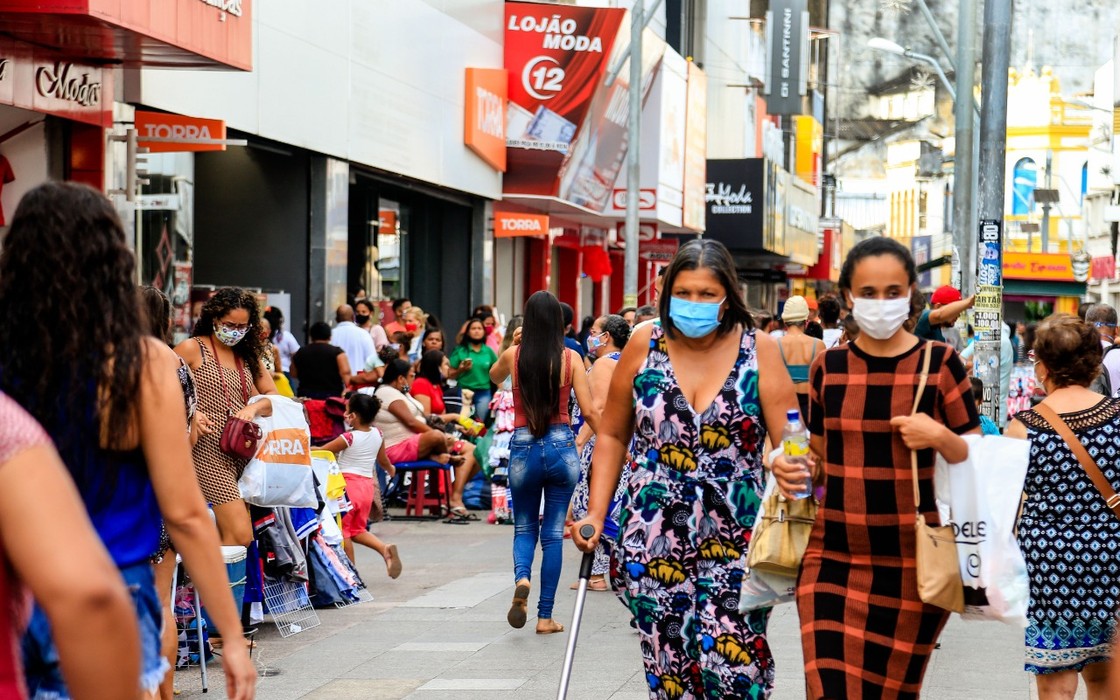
430, 489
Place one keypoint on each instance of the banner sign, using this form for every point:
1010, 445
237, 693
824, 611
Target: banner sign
556, 56
787, 47
1042, 267
660, 251
922, 248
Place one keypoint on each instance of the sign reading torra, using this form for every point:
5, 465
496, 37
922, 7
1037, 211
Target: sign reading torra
233, 7
64, 81
510, 224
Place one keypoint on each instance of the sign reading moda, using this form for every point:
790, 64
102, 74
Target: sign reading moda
556, 56
735, 195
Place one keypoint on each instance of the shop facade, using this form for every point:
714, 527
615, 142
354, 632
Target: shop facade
367, 181
1036, 285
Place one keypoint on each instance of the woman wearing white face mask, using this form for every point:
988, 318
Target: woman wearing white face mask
225, 357
858, 586
698, 391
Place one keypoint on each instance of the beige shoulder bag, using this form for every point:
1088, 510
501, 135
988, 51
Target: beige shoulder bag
938, 568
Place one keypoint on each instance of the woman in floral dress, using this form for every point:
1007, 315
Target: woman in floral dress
697, 479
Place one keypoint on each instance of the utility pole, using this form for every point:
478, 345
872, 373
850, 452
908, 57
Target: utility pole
964, 200
1046, 205
988, 317
633, 158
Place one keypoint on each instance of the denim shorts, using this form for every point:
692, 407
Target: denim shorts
40, 657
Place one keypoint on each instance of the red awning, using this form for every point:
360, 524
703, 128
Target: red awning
197, 34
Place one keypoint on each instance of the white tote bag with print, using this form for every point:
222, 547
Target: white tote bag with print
279, 474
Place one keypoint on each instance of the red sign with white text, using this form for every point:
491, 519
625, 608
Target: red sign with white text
508, 224
175, 126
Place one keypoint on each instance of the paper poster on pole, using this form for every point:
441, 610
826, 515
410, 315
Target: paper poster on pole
988, 310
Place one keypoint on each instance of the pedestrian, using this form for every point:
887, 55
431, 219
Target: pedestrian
946, 306
397, 324
643, 314
571, 338
110, 399
1006, 364
829, 310
322, 368
605, 343
360, 450
698, 392
224, 357
356, 342
865, 632
987, 425
798, 349
367, 316
1103, 318
284, 341
543, 459
471, 361
1069, 535
628, 313
48, 548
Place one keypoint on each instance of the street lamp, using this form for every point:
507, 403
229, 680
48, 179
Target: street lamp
888, 46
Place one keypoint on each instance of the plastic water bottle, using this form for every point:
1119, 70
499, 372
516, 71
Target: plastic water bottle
795, 445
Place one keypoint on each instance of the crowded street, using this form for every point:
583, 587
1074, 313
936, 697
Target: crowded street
574, 349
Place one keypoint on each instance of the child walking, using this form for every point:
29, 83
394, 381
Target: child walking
360, 449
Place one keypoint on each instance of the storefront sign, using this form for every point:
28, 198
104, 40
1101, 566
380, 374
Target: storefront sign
695, 149
1103, 268
512, 224
175, 126
233, 7
1052, 267
922, 248
808, 143
646, 232
659, 251
37, 80
647, 199
735, 195
787, 29
987, 311
484, 130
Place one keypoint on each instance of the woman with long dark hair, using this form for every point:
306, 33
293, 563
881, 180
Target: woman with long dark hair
698, 392
543, 459
859, 571
225, 357
109, 397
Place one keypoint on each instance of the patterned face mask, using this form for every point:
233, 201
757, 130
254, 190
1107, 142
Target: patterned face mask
230, 336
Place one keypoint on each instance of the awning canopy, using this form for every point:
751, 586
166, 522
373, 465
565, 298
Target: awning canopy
1041, 289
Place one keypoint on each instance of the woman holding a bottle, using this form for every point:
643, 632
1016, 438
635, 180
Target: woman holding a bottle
865, 631
699, 392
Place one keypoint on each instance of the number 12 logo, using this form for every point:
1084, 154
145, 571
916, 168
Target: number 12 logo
541, 80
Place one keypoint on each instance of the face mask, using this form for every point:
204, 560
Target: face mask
410, 327
881, 318
594, 342
361, 319
230, 336
695, 319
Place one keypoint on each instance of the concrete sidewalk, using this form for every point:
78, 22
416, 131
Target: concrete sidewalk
439, 631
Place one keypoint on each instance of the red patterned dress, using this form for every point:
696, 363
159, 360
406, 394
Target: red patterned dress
864, 630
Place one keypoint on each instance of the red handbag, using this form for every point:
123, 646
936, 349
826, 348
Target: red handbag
239, 437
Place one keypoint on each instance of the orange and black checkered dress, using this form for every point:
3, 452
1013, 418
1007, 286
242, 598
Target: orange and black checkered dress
865, 632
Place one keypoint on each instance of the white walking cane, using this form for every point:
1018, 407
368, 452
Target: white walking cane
586, 532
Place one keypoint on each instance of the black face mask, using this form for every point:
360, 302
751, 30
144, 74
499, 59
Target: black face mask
361, 319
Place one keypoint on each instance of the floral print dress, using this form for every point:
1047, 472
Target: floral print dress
685, 525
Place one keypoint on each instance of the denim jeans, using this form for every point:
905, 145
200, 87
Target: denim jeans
545, 467
481, 404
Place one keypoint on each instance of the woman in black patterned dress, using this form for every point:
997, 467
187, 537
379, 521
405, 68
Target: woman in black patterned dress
1069, 536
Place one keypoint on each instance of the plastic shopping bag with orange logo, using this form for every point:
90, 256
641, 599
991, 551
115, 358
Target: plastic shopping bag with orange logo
280, 475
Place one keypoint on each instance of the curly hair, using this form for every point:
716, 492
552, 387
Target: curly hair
617, 328
226, 299
71, 329
1070, 349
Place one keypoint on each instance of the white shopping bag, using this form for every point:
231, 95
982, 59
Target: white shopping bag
762, 590
984, 494
279, 474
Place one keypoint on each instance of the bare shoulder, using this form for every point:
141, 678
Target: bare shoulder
159, 358
1015, 429
189, 350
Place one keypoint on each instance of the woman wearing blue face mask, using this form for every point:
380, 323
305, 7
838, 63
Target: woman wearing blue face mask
698, 392
864, 629
225, 357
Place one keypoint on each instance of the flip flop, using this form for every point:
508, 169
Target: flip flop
463, 514
594, 585
518, 609
555, 629
394, 564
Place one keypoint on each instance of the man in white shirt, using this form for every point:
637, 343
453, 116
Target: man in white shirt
352, 338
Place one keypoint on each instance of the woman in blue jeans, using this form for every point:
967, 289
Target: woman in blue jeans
543, 459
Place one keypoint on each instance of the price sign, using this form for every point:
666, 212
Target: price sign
990, 254
988, 310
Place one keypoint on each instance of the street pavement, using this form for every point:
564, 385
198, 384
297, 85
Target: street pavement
440, 631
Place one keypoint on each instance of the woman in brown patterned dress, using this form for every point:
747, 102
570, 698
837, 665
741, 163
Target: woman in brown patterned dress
225, 357
865, 632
